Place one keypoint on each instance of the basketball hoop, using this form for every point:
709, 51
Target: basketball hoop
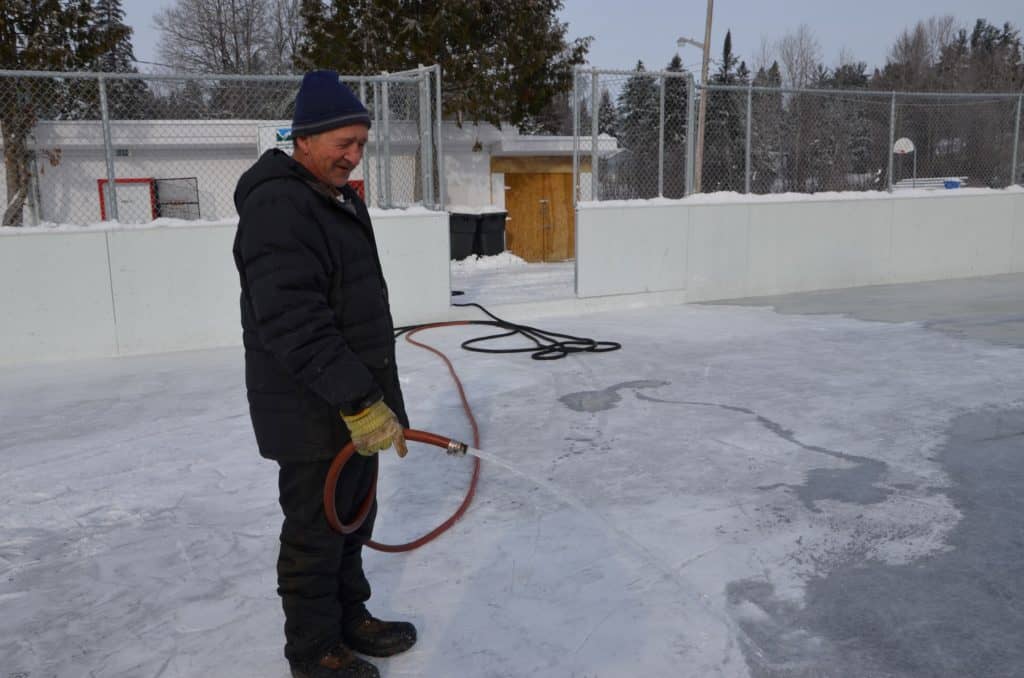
904, 146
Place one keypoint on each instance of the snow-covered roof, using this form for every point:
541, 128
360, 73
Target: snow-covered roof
234, 133
554, 145
89, 133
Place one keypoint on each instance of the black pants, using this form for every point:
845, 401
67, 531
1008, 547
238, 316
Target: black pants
320, 572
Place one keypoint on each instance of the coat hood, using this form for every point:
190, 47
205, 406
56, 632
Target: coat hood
273, 165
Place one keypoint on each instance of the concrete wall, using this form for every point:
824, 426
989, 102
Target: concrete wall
99, 293
771, 245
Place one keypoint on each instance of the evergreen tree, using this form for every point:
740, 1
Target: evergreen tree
50, 35
951, 137
846, 121
126, 99
607, 116
118, 55
767, 131
725, 74
676, 100
502, 61
850, 76
636, 172
742, 73
556, 117
724, 142
184, 100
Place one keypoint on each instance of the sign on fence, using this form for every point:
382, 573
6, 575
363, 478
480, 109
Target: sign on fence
274, 136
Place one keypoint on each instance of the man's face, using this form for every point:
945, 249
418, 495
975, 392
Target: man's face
332, 155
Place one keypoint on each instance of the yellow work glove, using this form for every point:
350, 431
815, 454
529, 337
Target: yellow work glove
376, 428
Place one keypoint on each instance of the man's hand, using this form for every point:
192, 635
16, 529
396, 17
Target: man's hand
374, 429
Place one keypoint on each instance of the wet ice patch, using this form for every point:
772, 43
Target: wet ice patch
605, 399
946, 613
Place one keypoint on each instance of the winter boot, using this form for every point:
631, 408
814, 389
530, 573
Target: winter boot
371, 636
338, 662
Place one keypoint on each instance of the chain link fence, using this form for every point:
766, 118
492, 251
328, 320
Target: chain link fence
79, 148
776, 140
644, 114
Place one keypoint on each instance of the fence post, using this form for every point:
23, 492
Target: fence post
366, 165
594, 177
750, 112
386, 104
892, 137
441, 190
575, 136
691, 106
1016, 143
378, 151
661, 140
108, 152
426, 140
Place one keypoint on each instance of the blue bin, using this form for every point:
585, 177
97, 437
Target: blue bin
951, 183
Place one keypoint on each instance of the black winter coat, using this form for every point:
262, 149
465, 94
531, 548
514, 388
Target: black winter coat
316, 324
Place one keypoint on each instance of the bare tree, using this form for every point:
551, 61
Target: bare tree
917, 50
766, 55
941, 33
286, 35
846, 57
230, 36
912, 52
799, 55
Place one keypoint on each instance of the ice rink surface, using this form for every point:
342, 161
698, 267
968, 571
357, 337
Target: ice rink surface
768, 489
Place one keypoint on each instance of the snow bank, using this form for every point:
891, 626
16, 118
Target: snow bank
488, 263
396, 211
469, 209
167, 222
99, 226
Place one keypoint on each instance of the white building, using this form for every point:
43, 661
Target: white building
69, 171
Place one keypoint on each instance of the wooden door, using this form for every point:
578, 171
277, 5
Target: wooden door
541, 224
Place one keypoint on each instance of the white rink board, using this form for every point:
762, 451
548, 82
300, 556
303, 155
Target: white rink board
414, 252
716, 249
56, 301
175, 288
625, 250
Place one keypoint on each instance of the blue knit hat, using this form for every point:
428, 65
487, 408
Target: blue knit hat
324, 103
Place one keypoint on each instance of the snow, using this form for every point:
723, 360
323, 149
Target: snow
167, 222
475, 263
163, 222
507, 279
139, 527
395, 211
473, 209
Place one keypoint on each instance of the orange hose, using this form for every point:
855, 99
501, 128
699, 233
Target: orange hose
366, 505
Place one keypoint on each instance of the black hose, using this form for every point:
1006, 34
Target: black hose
547, 345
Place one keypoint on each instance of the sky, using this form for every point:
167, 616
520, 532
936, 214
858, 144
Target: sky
646, 30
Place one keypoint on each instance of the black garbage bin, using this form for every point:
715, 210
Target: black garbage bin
492, 233
463, 231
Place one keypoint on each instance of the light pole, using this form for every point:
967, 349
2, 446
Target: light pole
706, 46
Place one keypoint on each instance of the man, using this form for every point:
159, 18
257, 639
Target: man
320, 370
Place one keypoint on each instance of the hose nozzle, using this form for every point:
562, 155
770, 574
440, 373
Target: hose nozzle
456, 448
